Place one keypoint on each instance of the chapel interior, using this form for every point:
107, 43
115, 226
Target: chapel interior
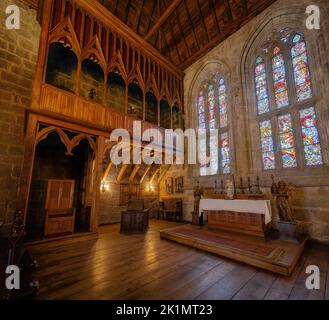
81, 213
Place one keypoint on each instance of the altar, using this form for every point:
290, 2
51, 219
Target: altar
245, 216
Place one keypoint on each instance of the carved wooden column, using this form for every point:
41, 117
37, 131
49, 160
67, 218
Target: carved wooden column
97, 183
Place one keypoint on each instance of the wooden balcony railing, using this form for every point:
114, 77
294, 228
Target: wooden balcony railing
61, 102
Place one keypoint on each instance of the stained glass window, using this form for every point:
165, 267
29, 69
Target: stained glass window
263, 104
222, 102
213, 154
266, 134
279, 79
202, 139
202, 111
211, 107
225, 152
287, 141
301, 69
214, 148
310, 134
203, 157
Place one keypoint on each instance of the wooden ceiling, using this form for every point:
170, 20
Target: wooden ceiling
185, 30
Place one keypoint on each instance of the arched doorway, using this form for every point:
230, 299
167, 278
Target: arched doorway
63, 168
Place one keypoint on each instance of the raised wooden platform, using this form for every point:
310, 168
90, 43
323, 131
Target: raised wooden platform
275, 255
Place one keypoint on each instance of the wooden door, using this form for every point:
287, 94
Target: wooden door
60, 194
60, 214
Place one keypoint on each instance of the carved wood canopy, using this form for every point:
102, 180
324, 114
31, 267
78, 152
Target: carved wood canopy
85, 27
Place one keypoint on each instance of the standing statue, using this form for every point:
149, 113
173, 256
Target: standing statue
198, 193
230, 190
283, 194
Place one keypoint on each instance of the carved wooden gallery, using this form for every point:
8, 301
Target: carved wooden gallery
97, 95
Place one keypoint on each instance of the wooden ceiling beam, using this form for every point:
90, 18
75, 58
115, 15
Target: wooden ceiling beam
156, 171
213, 9
134, 172
125, 18
163, 172
122, 172
191, 24
229, 11
244, 7
139, 16
116, 7
202, 20
173, 37
162, 19
227, 32
150, 17
182, 32
148, 168
107, 170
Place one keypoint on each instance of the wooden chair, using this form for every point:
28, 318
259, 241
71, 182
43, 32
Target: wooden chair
173, 209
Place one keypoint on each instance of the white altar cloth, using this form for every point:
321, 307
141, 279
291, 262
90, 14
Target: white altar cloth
249, 206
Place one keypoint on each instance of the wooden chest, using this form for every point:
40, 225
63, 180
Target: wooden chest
134, 221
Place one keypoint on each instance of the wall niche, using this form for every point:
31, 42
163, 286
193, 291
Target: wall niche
62, 67
92, 81
177, 120
116, 91
165, 114
135, 100
151, 111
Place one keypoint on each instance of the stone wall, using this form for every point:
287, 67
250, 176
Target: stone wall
232, 58
110, 207
18, 56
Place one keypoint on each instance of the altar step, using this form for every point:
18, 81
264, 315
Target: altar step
278, 256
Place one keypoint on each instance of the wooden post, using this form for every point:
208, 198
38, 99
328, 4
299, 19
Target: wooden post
97, 184
144, 105
126, 99
27, 168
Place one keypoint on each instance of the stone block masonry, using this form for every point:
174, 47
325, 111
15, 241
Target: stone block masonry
18, 57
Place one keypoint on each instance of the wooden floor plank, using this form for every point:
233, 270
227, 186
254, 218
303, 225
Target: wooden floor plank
195, 287
257, 287
229, 285
319, 258
282, 286
143, 266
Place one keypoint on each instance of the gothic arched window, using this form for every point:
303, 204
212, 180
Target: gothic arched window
286, 106
213, 118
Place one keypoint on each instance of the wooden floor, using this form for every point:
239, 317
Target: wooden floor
145, 267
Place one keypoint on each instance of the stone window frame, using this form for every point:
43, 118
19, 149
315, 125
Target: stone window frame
316, 40
206, 67
211, 80
294, 106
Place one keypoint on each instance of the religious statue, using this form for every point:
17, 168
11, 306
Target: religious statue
198, 193
230, 190
283, 193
